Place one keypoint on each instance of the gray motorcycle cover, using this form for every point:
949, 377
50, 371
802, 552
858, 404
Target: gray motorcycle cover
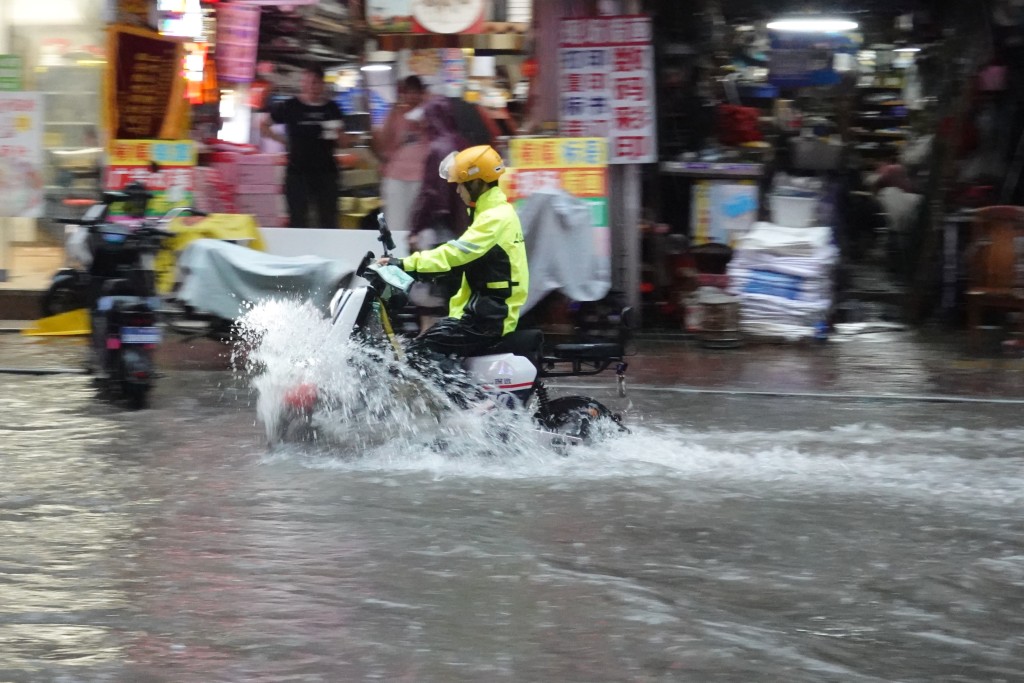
225, 279
565, 252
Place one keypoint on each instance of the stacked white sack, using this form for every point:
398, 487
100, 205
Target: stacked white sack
784, 279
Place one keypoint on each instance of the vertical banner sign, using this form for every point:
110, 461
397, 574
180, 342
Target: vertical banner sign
145, 85
238, 32
578, 166
607, 85
10, 73
21, 154
172, 184
453, 70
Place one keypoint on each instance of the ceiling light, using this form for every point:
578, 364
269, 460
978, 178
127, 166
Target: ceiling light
376, 67
813, 25
907, 49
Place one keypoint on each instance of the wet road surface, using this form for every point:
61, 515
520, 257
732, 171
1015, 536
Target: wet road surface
729, 537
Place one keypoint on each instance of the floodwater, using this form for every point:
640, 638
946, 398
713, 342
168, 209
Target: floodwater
727, 538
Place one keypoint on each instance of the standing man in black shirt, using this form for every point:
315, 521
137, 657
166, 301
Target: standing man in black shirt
314, 130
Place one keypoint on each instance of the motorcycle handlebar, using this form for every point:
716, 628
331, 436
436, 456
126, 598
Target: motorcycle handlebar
385, 237
365, 263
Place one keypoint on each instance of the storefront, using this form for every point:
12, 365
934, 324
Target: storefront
52, 59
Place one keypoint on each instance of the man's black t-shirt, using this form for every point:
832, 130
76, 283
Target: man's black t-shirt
312, 133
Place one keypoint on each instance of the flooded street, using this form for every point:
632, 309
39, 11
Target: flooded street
727, 538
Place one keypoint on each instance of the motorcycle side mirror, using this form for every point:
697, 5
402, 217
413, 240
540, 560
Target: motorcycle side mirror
385, 237
365, 263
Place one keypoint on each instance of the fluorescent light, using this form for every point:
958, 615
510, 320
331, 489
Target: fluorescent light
813, 25
907, 49
85, 150
376, 67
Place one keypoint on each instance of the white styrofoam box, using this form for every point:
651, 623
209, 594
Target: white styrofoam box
261, 204
794, 212
270, 159
259, 189
251, 174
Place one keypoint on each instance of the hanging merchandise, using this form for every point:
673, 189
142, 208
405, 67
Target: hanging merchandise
800, 60
238, 28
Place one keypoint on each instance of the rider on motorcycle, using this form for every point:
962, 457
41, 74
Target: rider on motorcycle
490, 257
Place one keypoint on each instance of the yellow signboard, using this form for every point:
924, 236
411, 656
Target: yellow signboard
578, 166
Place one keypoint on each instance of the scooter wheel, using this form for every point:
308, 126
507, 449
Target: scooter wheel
61, 297
136, 394
296, 428
575, 416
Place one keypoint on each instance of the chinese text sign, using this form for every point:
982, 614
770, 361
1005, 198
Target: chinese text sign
607, 85
578, 166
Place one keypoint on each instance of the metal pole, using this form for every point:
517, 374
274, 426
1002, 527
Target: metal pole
625, 207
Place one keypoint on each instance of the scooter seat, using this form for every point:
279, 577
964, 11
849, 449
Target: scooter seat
521, 343
117, 287
587, 351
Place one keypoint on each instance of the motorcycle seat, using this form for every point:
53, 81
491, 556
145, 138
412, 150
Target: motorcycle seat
117, 287
124, 303
526, 343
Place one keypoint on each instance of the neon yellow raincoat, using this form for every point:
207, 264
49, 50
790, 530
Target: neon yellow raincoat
491, 255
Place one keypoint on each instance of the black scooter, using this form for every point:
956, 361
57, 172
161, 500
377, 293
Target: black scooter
119, 291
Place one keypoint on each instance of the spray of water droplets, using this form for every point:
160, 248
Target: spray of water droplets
368, 404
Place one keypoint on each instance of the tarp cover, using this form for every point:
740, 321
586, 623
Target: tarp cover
565, 252
225, 279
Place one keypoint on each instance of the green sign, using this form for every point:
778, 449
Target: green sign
10, 72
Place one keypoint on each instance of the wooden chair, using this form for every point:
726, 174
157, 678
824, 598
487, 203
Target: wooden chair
995, 264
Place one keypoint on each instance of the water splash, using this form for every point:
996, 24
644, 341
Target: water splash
368, 404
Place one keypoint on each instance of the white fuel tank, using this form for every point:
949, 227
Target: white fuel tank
502, 371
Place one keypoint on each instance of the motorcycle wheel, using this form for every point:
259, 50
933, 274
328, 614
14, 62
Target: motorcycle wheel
137, 394
138, 365
575, 416
61, 297
294, 429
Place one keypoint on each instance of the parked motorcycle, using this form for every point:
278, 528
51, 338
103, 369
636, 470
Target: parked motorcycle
507, 375
118, 290
71, 286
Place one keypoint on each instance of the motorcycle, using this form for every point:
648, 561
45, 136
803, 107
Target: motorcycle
508, 375
70, 288
118, 290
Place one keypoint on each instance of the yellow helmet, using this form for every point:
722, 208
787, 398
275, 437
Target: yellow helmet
480, 162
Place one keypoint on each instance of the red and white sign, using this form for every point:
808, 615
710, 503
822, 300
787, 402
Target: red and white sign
607, 85
21, 154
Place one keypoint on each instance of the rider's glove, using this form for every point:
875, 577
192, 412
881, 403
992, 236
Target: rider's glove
392, 261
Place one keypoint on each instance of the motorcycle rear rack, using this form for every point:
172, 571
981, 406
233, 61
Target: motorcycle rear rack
582, 359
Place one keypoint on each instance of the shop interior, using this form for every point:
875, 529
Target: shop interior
890, 128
